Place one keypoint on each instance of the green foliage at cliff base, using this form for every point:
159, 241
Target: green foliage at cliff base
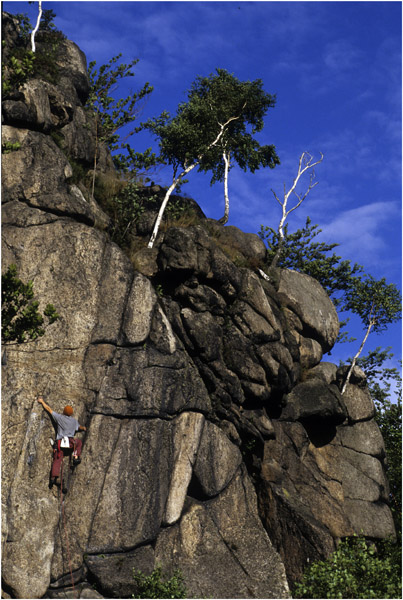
357, 569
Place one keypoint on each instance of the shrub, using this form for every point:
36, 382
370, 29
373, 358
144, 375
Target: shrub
21, 63
21, 320
357, 569
152, 586
125, 208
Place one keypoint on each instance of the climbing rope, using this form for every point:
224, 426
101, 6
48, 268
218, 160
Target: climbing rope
65, 529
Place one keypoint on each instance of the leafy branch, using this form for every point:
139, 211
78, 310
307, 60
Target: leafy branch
378, 304
111, 115
21, 319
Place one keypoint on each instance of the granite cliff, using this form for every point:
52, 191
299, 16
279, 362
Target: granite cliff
217, 441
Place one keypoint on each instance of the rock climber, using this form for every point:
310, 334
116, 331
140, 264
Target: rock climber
66, 427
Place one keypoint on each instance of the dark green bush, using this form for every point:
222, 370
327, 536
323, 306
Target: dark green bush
21, 320
357, 569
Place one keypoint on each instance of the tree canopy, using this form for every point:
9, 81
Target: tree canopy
218, 120
376, 302
213, 101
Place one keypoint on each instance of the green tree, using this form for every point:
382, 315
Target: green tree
20, 62
111, 114
355, 570
157, 586
301, 253
377, 303
17, 62
214, 127
20, 315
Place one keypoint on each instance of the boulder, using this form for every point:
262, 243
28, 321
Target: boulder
40, 106
305, 296
363, 437
247, 245
72, 65
313, 400
37, 173
325, 371
359, 404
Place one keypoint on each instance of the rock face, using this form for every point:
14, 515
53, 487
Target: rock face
217, 441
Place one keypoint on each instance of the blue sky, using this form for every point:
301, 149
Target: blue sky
335, 68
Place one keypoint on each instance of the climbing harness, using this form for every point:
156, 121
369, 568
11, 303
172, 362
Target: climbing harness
65, 442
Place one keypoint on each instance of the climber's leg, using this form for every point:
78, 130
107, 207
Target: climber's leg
77, 447
57, 461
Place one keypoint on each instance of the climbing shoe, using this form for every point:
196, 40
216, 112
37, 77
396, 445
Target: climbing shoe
52, 482
76, 461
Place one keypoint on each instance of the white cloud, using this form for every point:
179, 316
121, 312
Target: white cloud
361, 234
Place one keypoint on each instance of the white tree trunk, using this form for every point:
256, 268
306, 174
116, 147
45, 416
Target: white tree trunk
226, 158
280, 234
165, 202
305, 163
180, 177
36, 26
263, 274
343, 389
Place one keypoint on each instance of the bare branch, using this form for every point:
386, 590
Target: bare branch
304, 164
276, 197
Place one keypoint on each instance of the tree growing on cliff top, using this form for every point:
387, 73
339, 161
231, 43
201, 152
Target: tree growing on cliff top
211, 129
378, 304
302, 252
111, 115
305, 164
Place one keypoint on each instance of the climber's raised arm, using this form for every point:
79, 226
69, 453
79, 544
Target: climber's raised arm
45, 406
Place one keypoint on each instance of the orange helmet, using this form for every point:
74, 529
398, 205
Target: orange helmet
68, 410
